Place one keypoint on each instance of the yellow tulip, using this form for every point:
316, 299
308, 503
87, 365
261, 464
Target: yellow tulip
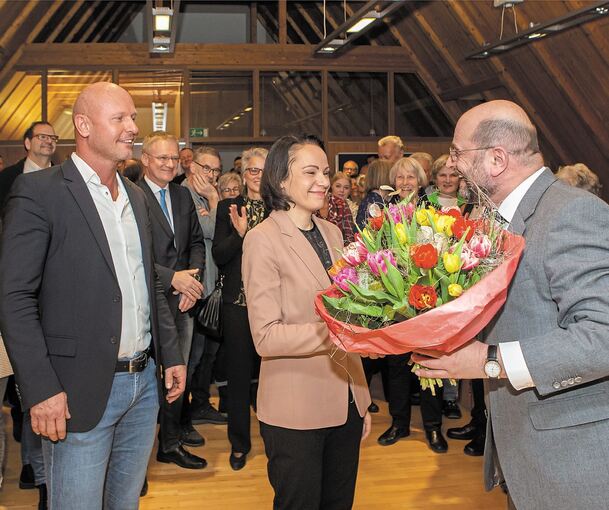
455, 290
422, 218
444, 224
400, 232
367, 235
452, 262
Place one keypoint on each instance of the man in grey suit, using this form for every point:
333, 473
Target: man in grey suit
546, 356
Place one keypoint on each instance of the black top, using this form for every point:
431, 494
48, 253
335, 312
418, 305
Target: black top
319, 245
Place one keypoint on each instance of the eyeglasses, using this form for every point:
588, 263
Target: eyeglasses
230, 190
455, 154
254, 170
165, 159
206, 168
46, 138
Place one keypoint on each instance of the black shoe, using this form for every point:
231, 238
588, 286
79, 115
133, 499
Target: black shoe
465, 433
392, 435
182, 458
144, 490
415, 399
373, 408
451, 410
475, 448
208, 415
436, 441
190, 437
237, 463
42, 497
26, 478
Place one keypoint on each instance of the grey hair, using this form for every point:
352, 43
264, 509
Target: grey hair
252, 152
518, 138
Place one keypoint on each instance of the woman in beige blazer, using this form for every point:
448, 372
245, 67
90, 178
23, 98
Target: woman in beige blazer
312, 398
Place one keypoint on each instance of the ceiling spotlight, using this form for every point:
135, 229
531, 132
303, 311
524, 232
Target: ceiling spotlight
536, 35
369, 18
162, 18
248, 109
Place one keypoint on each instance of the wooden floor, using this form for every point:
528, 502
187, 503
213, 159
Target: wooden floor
404, 476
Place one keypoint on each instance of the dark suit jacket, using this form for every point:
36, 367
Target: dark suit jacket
7, 177
228, 248
188, 252
60, 301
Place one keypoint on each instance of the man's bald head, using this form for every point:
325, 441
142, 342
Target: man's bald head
104, 123
501, 123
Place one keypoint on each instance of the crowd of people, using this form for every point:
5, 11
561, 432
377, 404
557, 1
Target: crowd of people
103, 277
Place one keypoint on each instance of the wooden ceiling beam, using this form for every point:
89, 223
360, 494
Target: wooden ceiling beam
7, 68
66, 19
512, 85
107, 7
465, 91
18, 23
307, 17
298, 31
118, 11
86, 16
283, 26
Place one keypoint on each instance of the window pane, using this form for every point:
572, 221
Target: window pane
290, 102
416, 111
157, 95
357, 104
20, 104
63, 88
220, 104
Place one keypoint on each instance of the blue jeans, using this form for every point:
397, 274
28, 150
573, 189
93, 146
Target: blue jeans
105, 467
31, 449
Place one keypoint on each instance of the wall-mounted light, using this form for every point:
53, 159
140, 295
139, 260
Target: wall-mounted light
162, 20
542, 30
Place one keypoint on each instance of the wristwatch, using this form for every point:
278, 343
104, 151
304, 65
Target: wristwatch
492, 368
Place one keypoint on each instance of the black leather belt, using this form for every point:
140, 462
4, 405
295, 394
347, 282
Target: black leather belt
134, 365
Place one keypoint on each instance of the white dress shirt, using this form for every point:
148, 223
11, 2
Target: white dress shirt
156, 189
30, 166
123, 237
511, 352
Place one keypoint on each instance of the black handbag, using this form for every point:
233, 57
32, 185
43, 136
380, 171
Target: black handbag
208, 318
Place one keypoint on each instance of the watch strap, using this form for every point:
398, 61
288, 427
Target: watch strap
491, 354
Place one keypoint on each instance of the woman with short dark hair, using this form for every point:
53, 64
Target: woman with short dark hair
312, 398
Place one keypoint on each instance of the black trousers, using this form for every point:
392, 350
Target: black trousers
479, 409
314, 469
242, 365
400, 388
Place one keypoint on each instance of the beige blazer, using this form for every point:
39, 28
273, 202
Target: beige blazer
302, 386
5, 364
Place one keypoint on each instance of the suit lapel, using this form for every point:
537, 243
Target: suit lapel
77, 186
301, 248
175, 214
529, 202
155, 208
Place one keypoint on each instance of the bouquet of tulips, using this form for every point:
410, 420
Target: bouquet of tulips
418, 279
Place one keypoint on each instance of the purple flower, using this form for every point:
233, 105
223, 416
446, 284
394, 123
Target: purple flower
347, 274
400, 212
355, 253
378, 261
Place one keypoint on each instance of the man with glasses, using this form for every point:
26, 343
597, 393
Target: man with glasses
545, 356
40, 142
201, 182
179, 254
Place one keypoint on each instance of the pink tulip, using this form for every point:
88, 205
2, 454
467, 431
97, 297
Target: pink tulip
400, 212
376, 261
355, 253
468, 259
480, 245
347, 274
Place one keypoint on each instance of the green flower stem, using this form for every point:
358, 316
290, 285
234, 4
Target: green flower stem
428, 383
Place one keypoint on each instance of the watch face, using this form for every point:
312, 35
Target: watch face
492, 369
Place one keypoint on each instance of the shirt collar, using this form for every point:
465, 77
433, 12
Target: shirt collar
153, 186
90, 175
30, 166
508, 207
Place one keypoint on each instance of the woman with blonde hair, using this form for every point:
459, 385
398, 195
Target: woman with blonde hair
580, 176
230, 185
336, 208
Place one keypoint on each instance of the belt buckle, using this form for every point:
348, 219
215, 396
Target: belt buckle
134, 363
